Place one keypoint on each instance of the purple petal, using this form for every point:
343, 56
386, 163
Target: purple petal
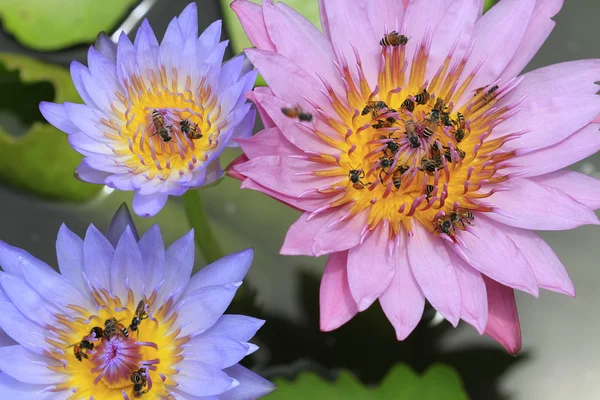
370, 267
28, 367
236, 327
12, 257
201, 308
85, 173
200, 379
27, 300
337, 306
188, 21
23, 330
403, 301
149, 205
220, 352
534, 206
251, 385
432, 268
153, 256
494, 254
106, 47
179, 262
11, 388
97, 257
69, 252
120, 221
57, 116
230, 269
127, 268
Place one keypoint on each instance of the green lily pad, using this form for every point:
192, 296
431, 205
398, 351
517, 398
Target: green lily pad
401, 383
55, 24
41, 161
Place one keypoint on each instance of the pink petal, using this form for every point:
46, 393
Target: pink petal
432, 268
336, 303
294, 131
473, 304
549, 272
459, 19
503, 320
497, 35
266, 120
349, 25
287, 80
300, 204
268, 142
384, 13
343, 235
534, 206
536, 34
300, 238
576, 147
280, 173
370, 267
251, 18
290, 32
581, 187
548, 120
494, 254
403, 301
324, 21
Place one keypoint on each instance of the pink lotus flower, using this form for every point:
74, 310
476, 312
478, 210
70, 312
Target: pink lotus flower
435, 192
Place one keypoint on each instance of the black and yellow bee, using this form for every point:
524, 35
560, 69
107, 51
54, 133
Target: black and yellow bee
394, 39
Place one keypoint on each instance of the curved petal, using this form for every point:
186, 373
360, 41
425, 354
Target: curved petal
179, 262
534, 206
473, 297
210, 302
251, 17
339, 235
230, 269
385, 14
252, 386
300, 238
27, 300
290, 176
371, 267
540, 26
236, 327
106, 47
497, 36
97, 257
24, 331
12, 257
85, 173
336, 304
290, 32
149, 205
28, 367
127, 269
11, 388
494, 254
585, 189
152, 247
268, 142
576, 147
219, 352
549, 272
432, 268
350, 29
403, 301
69, 252
57, 116
503, 320
119, 222
200, 379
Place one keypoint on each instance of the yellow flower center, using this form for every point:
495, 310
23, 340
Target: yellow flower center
117, 350
407, 151
164, 124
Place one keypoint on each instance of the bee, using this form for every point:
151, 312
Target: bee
376, 107
460, 120
409, 105
411, 134
385, 162
78, 349
381, 124
429, 128
392, 146
140, 315
190, 129
459, 135
403, 168
438, 108
297, 112
445, 117
397, 177
356, 175
488, 95
159, 124
428, 191
445, 225
113, 327
394, 39
429, 165
423, 97
462, 217
139, 382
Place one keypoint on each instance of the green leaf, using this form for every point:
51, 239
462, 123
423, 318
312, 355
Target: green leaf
41, 161
438, 382
488, 4
56, 24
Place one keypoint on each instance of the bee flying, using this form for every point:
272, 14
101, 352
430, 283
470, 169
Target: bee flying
394, 39
297, 112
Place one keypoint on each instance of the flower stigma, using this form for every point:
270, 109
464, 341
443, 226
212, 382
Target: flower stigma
406, 150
